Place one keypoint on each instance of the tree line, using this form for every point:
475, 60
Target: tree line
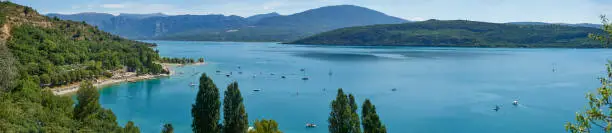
206, 116
181, 60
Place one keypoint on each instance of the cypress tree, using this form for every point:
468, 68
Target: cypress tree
371, 121
342, 117
234, 114
355, 125
87, 103
205, 111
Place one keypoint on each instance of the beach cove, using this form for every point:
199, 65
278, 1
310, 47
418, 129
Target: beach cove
117, 79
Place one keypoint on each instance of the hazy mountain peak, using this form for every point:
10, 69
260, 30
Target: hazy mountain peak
258, 17
142, 16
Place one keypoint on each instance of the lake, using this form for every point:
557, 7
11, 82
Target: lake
439, 90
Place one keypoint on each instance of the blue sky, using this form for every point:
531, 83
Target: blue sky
563, 11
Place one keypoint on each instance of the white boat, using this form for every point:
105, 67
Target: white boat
311, 125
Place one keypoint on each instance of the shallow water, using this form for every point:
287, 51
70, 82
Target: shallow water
439, 90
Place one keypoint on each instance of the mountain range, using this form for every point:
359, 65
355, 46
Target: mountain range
263, 27
459, 33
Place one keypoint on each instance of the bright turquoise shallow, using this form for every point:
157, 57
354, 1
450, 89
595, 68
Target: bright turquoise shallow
440, 90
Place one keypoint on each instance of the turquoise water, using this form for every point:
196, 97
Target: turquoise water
439, 90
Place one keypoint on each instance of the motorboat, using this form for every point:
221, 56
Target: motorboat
305, 78
192, 84
311, 125
394, 89
515, 102
256, 90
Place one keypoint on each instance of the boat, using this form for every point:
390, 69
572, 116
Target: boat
515, 103
394, 89
256, 90
218, 71
192, 84
302, 69
311, 125
283, 77
239, 72
227, 75
305, 78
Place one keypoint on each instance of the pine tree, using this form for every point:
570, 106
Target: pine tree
370, 119
87, 101
234, 114
205, 111
168, 128
342, 117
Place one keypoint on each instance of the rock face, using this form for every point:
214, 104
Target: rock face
5, 33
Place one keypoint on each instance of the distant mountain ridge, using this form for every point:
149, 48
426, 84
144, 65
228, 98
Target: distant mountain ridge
256, 18
263, 27
599, 26
458, 33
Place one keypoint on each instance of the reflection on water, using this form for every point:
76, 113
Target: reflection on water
339, 56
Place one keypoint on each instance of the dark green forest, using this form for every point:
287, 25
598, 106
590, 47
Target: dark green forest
55, 52
459, 33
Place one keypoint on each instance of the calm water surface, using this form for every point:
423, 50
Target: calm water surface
439, 90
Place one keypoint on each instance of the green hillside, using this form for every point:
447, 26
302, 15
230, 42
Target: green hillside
458, 33
37, 51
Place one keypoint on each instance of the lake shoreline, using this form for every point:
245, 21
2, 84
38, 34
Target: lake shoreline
123, 77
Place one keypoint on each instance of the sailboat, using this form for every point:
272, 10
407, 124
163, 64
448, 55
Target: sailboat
305, 77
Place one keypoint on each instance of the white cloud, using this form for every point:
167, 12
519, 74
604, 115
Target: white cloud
113, 6
272, 5
416, 19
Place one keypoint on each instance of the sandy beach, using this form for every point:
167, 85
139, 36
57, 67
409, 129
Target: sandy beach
117, 78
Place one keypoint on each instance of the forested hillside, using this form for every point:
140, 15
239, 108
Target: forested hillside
37, 51
459, 33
